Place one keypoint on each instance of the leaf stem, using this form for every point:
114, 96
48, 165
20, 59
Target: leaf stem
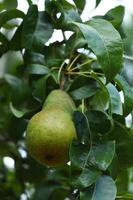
89, 61
59, 72
71, 64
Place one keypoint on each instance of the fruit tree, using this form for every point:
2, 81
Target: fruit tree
65, 105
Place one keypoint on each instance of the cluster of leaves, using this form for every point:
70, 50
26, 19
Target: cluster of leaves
88, 65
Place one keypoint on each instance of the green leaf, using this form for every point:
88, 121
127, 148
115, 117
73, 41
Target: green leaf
101, 154
37, 69
100, 101
87, 177
98, 34
67, 11
122, 181
84, 92
100, 122
19, 89
81, 126
116, 104
17, 113
87, 194
10, 14
8, 5
105, 189
83, 88
4, 44
36, 29
79, 154
124, 144
115, 16
128, 94
74, 42
80, 5
31, 57
97, 2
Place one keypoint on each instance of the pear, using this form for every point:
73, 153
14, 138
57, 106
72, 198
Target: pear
51, 131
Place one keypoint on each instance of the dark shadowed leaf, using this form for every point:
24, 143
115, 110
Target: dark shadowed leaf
124, 144
62, 12
81, 126
80, 5
100, 122
87, 194
36, 29
10, 14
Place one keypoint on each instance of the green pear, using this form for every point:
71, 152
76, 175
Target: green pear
51, 131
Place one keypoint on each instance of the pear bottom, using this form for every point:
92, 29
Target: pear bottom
49, 135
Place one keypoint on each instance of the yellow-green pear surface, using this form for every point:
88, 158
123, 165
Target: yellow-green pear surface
51, 131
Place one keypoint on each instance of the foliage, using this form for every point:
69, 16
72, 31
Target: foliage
89, 66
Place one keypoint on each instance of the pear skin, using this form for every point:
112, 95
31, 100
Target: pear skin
60, 99
51, 131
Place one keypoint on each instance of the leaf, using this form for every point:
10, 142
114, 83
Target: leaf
32, 57
101, 155
115, 16
79, 154
128, 94
97, 2
67, 13
37, 69
74, 42
100, 101
100, 122
98, 34
36, 29
116, 104
83, 87
124, 144
10, 14
17, 113
87, 194
122, 181
19, 89
15, 43
8, 5
83, 92
105, 189
87, 177
81, 126
80, 5
4, 44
